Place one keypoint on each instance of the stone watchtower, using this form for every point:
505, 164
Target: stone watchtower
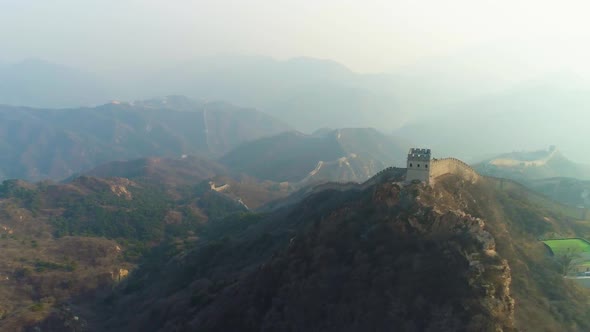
418, 165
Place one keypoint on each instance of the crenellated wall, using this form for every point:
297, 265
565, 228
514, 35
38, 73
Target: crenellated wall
438, 167
454, 166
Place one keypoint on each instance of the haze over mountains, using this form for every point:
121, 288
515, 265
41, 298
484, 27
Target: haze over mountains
422, 103
538, 113
37, 83
483, 116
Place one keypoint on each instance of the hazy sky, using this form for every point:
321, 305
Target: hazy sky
367, 36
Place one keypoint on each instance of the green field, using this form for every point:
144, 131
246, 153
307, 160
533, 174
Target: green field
574, 245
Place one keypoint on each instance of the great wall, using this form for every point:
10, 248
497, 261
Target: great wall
438, 168
454, 166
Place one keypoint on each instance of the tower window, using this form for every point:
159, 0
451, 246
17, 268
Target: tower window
418, 165
411, 165
426, 166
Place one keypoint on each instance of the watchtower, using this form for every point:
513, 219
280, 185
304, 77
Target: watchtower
418, 165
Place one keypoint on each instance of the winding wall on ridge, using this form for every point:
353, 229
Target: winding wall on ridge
439, 167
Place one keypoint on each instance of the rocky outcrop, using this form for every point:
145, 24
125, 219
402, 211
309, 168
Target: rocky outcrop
119, 275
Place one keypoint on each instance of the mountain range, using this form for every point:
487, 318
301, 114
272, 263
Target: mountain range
423, 103
295, 91
307, 93
55, 144
38, 144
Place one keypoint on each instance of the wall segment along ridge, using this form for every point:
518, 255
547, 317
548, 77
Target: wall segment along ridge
455, 166
438, 167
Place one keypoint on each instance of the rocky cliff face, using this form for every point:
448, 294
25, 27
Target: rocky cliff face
516, 218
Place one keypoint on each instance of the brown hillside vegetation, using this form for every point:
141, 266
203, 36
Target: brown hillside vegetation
39, 271
167, 171
184, 176
516, 217
65, 242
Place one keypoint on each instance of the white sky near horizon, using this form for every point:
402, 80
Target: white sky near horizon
366, 36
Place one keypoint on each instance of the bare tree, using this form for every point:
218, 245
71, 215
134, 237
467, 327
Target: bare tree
566, 260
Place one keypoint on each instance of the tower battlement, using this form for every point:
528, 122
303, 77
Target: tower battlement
419, 154
418, 165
